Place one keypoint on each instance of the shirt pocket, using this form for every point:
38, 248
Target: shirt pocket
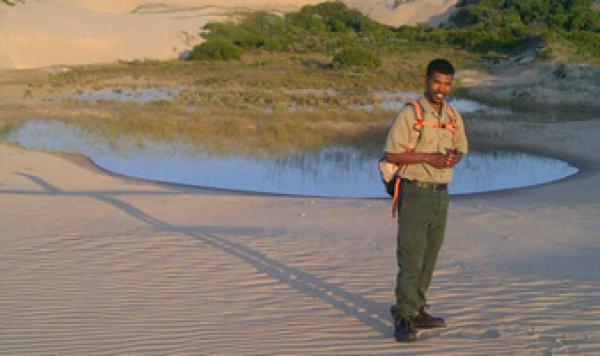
444, 141
428, 141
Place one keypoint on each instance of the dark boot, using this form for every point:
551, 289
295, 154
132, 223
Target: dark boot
424, 320
404, 330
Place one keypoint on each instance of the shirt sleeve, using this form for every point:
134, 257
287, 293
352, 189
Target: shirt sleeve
398, 137
460, 139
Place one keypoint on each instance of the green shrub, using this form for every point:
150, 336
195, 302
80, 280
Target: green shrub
585, 21
241, 36
337, 17
586, 42
496, 27
323, 27
11, 2
216, 49
355, 57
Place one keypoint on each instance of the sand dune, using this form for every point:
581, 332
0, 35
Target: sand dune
125, 6
106, 265
93, 263
433, 12
42, 34
55, 32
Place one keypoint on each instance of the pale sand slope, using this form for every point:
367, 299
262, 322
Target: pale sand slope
42, 34
97, 264
54, 32
433, 12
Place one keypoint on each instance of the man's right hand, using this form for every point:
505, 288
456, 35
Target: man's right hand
440, 160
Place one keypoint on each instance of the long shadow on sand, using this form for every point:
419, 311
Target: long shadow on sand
365, 310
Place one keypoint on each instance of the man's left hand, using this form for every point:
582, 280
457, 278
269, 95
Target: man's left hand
452, 158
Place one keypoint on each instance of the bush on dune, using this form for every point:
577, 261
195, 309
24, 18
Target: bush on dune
215, 49
355, 57
11, 2
325, 27
501, 27
507, 26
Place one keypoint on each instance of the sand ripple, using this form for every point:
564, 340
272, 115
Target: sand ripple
183, 291
139, 272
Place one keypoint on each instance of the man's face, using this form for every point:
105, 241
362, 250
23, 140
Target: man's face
438, 86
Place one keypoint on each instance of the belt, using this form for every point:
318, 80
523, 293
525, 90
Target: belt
429, 186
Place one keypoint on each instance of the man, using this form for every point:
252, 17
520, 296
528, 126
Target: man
426, 169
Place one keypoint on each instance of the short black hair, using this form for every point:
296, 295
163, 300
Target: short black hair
441, 66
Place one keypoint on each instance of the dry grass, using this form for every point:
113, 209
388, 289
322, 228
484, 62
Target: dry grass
261, 69
268, 102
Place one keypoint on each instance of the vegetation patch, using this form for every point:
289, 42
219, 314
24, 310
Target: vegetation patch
509, 26
490, 27
215, 49
288, 86
355, 57
11, 2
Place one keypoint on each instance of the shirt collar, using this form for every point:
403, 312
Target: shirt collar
428, 109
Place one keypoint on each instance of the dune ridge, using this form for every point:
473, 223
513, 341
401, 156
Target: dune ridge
66, 32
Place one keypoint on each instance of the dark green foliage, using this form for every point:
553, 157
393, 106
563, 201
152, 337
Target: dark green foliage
338, 18
484, 29
415, 35
509, 25
325, 27
587, 42
259, 30
560, 14
529, 10
215, 49
494, 28
584, 21
238, 35
355, 57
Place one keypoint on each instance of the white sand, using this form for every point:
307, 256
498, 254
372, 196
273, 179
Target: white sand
97, 264
42, 34
433, 12
54, 32
93, 263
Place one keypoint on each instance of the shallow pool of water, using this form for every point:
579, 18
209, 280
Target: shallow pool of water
384, 100
331, 172
397, 100
141, 96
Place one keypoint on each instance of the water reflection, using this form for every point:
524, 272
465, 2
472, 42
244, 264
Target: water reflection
331, 172
382, 100
396, 100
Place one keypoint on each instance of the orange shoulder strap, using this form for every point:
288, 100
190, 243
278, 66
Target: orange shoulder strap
411, 146
418, 113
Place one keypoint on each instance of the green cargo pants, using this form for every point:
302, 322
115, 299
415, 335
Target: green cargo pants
421, 223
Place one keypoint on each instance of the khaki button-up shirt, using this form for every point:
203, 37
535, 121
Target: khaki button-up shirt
431, 140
